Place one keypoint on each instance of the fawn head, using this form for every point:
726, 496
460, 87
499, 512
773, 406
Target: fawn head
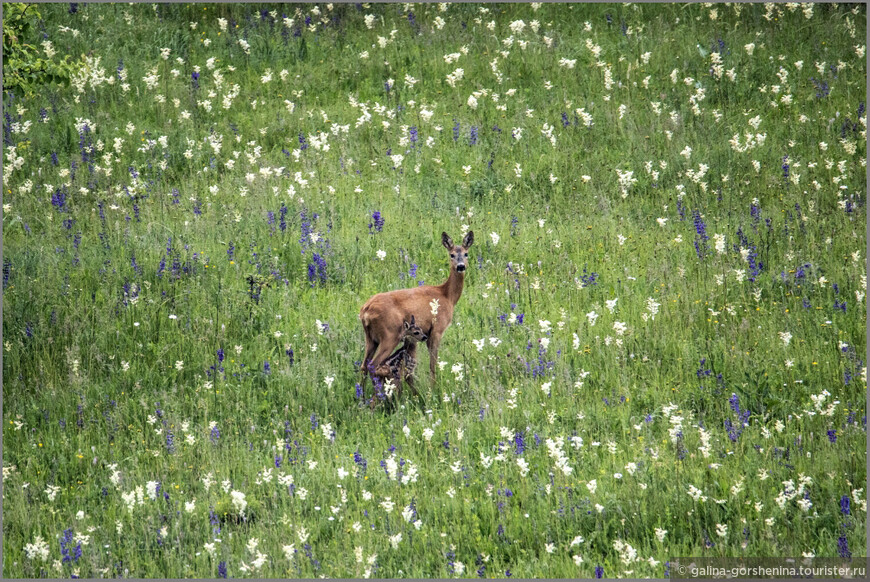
458, 254
413, 331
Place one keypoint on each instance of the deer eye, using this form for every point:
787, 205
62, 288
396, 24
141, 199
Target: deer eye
452, 256
466, 254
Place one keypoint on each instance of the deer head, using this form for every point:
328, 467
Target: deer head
413, 331
458, 254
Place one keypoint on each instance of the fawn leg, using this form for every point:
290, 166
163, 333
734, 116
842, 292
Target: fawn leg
409, 380
383, 351
408, 375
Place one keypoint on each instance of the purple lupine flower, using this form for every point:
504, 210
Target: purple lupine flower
700, 235
58, 199
832, 436
599, 571
844, 505
681, 449
170, 441
317, 268
377, 222
306, 229
231, 250
520, 442
194, 80
755, 212
843, 547
455, 130
451, 556
822, 89
472, 136
7, 271
412, 133
65, 540
222, 570
215, 435
734, 401
588, 279
266, 368
755, 266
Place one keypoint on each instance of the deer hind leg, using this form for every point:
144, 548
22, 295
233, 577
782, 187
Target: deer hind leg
371, 346
383, 351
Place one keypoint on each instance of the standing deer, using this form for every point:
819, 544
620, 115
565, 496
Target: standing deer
383, 315
401, 365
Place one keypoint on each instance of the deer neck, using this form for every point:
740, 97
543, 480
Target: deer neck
453, 286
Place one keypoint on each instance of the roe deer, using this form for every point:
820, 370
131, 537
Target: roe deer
400, 366
382, 316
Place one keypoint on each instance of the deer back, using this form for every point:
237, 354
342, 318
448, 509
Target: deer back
384, 314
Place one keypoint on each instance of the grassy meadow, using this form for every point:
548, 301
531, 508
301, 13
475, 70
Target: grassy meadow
659, 350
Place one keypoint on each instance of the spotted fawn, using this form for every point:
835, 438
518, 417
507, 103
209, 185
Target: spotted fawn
400, 366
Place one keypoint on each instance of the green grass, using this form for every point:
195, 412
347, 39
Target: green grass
111, 332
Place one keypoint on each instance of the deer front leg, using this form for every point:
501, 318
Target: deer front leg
432, 343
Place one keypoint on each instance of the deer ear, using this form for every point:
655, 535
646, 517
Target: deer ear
413, 322
469, 239
446, 241
407, 325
